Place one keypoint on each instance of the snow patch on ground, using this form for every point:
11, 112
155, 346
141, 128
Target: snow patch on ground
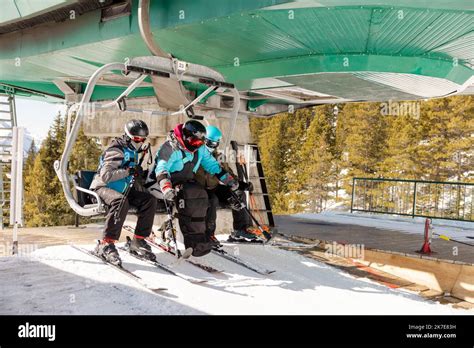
459, 230
62, 280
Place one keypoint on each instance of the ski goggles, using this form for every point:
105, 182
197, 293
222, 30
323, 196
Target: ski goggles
212, 144
138, 139
195, 142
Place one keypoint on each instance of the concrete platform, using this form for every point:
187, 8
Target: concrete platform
373, 238
30, 239
445, 272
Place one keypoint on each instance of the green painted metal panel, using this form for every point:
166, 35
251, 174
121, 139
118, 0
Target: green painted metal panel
107, 93
252, 105
31, 95
461, 48
43, 87
253, 42
450, 5
345, 85
246, 37
100, 92
54, 37
321, 30
175, 13
88, 29
347, 63
416, 32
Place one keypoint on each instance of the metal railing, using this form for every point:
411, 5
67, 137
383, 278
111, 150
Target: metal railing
432, 199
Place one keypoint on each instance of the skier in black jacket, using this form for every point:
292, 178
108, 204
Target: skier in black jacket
118, 164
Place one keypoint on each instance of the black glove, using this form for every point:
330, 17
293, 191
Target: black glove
229, 180
234, 203
245, 186
136, 171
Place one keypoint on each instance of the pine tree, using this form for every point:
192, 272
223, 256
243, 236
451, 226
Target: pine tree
314, 152
296, 126
400, 156
36, 199
273, 153
45, 204
432, 154
30, 195
365, 143
460, 130
314, 176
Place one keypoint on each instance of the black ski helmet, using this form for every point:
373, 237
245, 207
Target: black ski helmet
136, 128
136, 132
194, 133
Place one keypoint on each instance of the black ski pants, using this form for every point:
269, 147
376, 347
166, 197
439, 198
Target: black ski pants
218, 197
143, 201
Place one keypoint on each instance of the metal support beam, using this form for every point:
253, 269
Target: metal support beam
16, 189
234, 115
144, 25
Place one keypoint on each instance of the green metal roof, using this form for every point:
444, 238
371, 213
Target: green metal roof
332, 47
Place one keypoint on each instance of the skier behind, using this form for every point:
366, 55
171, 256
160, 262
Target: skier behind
118, 164
177, 161
221, 195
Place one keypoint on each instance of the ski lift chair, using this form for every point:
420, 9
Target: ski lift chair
138, 68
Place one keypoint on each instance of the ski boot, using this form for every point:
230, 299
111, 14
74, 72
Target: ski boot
214, 242
264, 234
140, 247
108, 252
244, 236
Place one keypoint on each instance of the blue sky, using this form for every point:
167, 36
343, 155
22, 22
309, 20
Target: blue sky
37, 116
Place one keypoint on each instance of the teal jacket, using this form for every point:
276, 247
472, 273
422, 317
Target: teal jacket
113, 167
171, 161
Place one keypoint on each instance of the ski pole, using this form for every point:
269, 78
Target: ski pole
451, 240
247, 210
169, 224
124, 198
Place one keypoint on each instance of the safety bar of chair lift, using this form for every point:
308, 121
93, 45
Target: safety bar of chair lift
61, 166
125, 93
195, 101
100, 207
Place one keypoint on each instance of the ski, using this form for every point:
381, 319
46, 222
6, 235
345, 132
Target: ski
232, 240
164, 247
165, 268
119, 268
161, 245
224, 254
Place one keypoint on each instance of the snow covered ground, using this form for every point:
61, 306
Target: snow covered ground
62, 280
459, 230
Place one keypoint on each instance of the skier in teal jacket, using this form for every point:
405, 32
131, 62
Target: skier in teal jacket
176, 163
